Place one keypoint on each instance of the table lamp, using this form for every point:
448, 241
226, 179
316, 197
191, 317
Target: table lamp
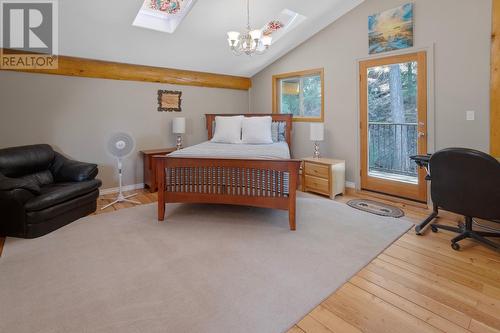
317, 133
179, 128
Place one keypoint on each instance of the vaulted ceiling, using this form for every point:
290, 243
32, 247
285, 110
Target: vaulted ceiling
103, 30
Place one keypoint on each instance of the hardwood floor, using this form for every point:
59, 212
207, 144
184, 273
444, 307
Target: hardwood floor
418, 284
143, 196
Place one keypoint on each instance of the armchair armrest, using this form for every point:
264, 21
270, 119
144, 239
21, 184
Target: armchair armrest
9, 184
17, 196
66, 170
12, 211
14, 193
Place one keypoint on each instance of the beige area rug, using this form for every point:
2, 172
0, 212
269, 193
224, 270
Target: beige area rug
208, 268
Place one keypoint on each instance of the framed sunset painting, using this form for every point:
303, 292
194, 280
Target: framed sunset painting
391, 29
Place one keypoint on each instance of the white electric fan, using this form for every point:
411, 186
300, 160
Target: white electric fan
121, 145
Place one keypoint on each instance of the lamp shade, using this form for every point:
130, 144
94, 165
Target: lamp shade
317, 132
179, 125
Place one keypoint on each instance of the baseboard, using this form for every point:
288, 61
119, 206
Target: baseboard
124, 188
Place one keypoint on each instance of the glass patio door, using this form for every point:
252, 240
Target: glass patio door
393, 106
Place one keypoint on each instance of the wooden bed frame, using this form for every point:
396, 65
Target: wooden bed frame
247, 182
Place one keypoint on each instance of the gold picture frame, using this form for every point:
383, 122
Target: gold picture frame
169, 101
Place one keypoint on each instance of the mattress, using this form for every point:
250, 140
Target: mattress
208, 149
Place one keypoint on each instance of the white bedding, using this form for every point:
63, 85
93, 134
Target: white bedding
277, 150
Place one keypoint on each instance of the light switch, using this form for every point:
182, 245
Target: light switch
470, 115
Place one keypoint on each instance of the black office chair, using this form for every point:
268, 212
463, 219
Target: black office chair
465, 182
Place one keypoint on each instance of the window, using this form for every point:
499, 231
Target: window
162, 15
300, 94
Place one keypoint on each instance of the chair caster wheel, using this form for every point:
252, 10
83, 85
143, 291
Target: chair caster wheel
418, 231
434, 229
455, 246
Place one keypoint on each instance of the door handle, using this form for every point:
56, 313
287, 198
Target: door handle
421, 134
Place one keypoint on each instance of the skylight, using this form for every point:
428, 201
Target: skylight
286, 21
162, 15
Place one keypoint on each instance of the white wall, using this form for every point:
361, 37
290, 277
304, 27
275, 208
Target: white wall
76, 116
458, 31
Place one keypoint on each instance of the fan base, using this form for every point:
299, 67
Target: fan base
122, 198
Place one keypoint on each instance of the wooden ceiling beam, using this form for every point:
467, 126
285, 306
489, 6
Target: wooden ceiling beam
82, 67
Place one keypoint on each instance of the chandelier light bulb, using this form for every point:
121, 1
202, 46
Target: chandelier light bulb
266, 40
250, 42
233, 35
256, 34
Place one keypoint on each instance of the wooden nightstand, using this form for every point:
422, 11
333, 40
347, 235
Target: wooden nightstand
324, 176
150, 167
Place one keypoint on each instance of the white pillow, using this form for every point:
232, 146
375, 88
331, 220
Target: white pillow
257, 130
227, 129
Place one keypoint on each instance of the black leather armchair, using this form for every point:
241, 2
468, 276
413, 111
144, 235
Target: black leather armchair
41, 190
466, 182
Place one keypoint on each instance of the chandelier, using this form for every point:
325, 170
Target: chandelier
251, 41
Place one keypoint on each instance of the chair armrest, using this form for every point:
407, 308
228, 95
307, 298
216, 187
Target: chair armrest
9, 184
66, 170
12, 211
18, 196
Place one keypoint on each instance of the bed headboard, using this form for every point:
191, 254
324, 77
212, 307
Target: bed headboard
286, 118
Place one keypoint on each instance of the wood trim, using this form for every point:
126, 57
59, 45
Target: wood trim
210, 118
82, 67
495, 81
382, 185
275, 106
299, 73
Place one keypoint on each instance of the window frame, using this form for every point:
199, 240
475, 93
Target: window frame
300, 74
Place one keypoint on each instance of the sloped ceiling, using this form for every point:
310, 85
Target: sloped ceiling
102, 29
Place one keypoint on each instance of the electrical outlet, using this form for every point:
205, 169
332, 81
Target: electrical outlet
470, 115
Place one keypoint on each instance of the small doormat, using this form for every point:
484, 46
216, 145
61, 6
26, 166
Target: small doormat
375, 207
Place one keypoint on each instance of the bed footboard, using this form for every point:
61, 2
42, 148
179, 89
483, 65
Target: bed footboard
259, 183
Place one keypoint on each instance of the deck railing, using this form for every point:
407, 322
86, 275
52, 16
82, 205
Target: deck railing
390, 148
